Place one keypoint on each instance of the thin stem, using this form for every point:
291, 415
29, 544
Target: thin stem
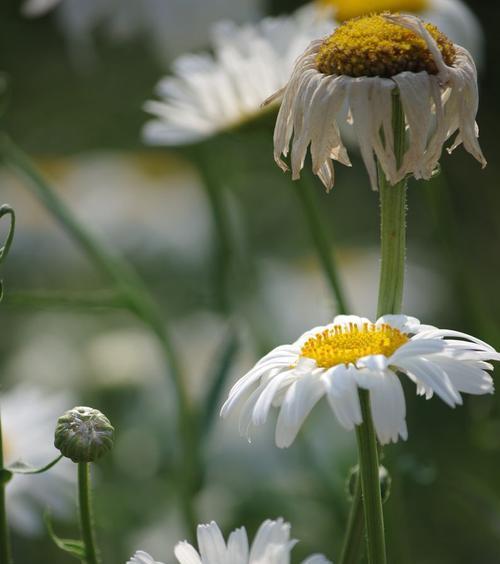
224, 252
321, 239
355, 527
370, 484
135, 295
86, 518
5, 553
391, 285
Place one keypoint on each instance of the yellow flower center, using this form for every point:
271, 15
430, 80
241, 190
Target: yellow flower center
347, 9
347, 344
373, 46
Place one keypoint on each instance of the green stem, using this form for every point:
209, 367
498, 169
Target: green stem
135, 295
391, 285
304, 191
370, 484
5, 553
224, 253
355, 527
86, 519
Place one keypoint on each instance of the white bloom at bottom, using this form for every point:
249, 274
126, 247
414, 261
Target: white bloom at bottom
272, 545
350, 353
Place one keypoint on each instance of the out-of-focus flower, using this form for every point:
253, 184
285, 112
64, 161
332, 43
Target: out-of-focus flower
364, 63
168, 25
452, 17
29, 417
350, 353
209, 93
272, 545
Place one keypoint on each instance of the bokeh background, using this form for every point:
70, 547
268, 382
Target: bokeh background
76, 89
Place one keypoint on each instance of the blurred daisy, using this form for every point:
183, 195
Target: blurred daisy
351, 353
452, 17
209, 93
272, 545
29, 418
363, 64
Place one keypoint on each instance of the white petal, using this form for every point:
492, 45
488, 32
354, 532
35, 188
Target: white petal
465, 378
237, 547
388, 407
342, 394
299, 400
403, 323
270, 532
416, 348
141, 557
266, 397
211, 544
316, 559
186, 554
432, 376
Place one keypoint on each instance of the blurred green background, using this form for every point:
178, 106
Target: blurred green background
76, 109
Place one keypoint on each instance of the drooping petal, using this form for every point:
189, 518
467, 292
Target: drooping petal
342, 394
186, 554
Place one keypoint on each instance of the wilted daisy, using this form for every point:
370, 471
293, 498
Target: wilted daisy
212, 93
351, 353
29, 417
452, 17
364, 64
272, 545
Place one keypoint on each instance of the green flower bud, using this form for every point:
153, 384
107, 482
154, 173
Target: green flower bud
84, 434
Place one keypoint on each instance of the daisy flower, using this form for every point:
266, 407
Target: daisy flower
351, 353
364, 64
210, 93
29, 418
452, 17
272, 545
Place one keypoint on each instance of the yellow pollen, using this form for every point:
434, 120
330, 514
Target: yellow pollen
373, 46
347, 9
346, 345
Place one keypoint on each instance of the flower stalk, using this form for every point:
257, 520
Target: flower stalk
390, 299
86, 519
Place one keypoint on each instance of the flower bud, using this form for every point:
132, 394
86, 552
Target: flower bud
84, 434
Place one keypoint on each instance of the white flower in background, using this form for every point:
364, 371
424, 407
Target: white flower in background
363, 64
212, 93
350, 353
272, 545
170, 26
29, 417
453, 17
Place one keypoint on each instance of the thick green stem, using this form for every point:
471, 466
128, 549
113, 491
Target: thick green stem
393, 226
391, 285
5, 554
321, 240
86, 518
370, 484
135, 295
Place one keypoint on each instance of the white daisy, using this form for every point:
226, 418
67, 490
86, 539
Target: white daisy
29, 417
363, 64
272, 545
350, 353
212, 93
452, 17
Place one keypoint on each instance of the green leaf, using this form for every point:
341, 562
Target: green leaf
71, 546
